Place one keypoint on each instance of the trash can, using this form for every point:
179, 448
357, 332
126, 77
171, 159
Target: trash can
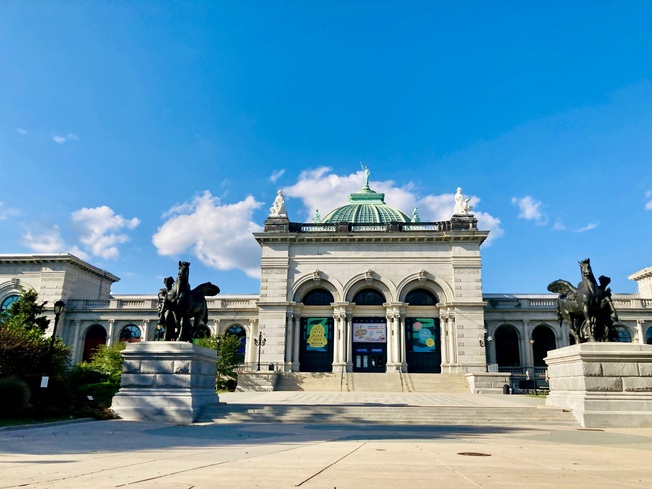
505, 389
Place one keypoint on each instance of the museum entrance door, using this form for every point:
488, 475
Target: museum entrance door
316, 345
369, 344
423, 345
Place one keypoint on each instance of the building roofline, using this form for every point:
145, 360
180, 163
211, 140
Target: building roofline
57, 257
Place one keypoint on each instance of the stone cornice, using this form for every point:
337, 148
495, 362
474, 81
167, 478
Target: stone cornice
45, 258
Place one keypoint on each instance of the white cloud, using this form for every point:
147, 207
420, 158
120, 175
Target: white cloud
559, 225
48, 240
59, 139
20, 130
6, 212
648, 204
588, 227
218, 235
320, 189
530, 210
276, 175
100, 230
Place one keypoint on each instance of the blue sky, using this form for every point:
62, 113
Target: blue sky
135, 134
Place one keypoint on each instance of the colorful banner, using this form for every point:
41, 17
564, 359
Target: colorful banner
317, 334
369, 333
423, 335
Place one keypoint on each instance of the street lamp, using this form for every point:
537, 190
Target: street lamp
59, 306
260, 342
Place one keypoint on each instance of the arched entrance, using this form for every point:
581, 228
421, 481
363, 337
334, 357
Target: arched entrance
95, 336
507, 351
544, 341
422, 337
316, 340
239, 331
369, 335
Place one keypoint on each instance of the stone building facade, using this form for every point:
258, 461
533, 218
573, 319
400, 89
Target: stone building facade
366, 289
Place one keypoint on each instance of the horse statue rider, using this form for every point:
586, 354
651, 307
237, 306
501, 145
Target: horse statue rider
182, 309
587, 308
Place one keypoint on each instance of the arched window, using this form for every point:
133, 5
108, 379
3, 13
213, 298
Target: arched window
130, 334
507, 351
318, 297
240, 332
648, 336
95, 336
369, 297
421, 297
620, 334
8, 301
544, 341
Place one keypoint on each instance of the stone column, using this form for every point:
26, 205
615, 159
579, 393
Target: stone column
443, 332
393, 359
403, 346
77, 343
452, 343
110, 333
349, 340
216, 327
250, 348
289, 335
639, 331
339, 349
145, 330
296, 344
527, 359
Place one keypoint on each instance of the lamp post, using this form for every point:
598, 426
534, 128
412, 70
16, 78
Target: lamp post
59, 306
260, 342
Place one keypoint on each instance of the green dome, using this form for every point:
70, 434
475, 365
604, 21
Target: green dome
366, 207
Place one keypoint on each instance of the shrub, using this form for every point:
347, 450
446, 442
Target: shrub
15, 395
228, 359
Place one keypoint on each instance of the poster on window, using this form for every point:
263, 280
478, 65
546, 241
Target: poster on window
369, 333
316, 334
423, 335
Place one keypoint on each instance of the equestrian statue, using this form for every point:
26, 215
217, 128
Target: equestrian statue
182, 309
587, 308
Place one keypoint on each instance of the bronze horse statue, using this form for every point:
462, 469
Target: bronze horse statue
187, 306
587, 308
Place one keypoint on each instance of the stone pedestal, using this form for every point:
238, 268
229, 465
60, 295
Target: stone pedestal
606, 385
168, 382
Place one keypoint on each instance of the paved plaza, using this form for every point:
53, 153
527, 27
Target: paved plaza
108, 454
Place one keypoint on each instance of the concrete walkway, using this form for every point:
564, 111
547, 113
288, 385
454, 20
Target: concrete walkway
107, 454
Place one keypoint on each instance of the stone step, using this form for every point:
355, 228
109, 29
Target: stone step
386, 414
364, 382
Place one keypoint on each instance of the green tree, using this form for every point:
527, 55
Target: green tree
24, 350
107, 360
26, 314
228, 359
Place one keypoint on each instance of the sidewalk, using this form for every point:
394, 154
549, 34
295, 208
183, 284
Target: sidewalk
107, 454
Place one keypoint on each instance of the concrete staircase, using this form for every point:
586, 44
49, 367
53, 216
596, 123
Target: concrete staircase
530, 416
368, 382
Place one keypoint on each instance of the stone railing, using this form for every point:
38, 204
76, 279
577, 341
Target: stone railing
345, 227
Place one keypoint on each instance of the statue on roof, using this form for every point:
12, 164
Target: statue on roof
366, 175
462, 207
316, 218
278, 207
415, 215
